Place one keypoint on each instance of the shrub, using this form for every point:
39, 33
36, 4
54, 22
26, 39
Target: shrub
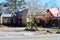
31, 26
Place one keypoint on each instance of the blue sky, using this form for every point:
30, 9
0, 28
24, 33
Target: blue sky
54, 3
2, 1
42, 2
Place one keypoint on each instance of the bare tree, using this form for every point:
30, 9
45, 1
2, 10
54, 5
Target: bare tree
33, 10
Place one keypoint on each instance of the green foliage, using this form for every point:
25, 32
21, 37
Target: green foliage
31, 26
5, 5
21, 3
28, 24
15, 4
34, 26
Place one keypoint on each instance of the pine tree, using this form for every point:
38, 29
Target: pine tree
15, 4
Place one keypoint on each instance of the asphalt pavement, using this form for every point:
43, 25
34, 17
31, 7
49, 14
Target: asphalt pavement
34, 37
9, 33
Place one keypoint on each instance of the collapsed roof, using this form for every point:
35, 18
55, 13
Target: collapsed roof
54, 11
